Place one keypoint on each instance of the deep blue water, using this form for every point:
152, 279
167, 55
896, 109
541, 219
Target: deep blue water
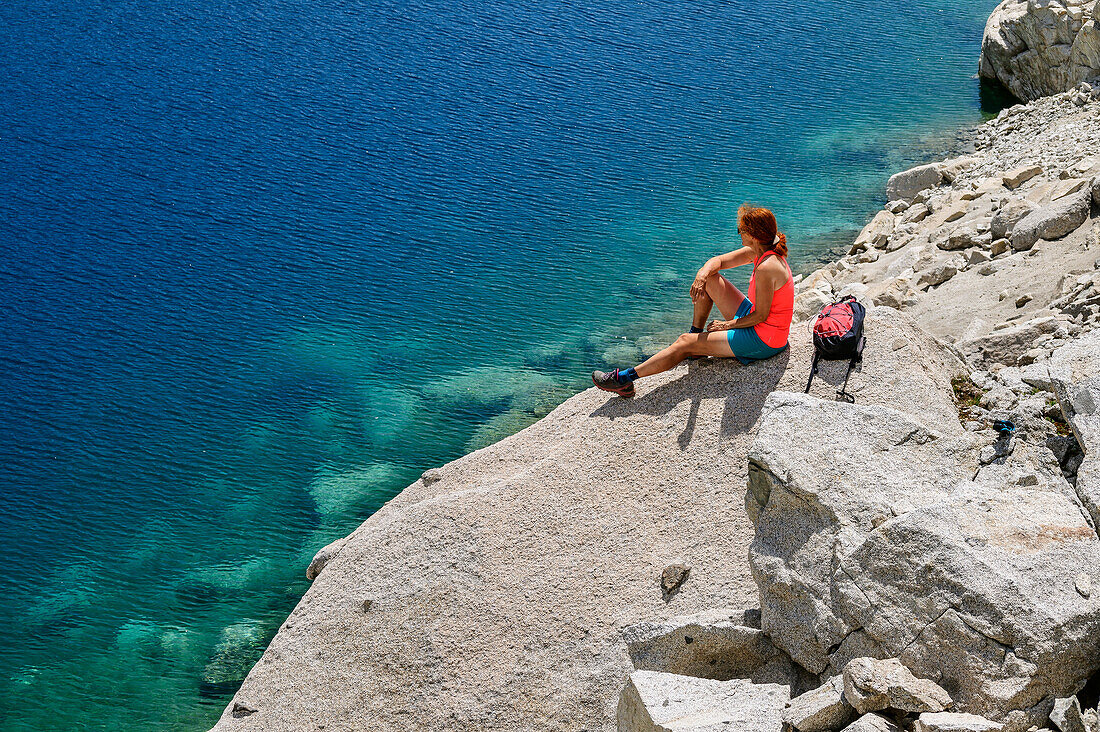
264, 263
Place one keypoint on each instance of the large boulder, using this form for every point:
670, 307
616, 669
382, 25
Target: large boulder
904, 186
660, 702
1053, 220
877, 536
1008, 215
1040, 47
805, 517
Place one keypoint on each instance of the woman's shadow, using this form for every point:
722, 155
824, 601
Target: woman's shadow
743, 387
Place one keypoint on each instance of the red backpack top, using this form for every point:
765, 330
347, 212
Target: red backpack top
838, 334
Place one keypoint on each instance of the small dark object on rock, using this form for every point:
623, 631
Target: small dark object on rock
366, 604
240, 710
688, 639
1004, 426
431, 475
751, 618
671, 578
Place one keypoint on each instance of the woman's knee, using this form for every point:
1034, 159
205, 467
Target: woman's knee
715, 283
686, 342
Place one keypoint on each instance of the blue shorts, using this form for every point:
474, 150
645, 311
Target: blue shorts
744, 342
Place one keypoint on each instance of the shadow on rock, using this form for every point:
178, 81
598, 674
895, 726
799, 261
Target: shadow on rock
743, 387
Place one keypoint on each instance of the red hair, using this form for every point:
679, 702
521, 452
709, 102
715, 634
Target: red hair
760, 224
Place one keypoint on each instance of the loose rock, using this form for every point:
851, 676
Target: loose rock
872, 723
871, 685
672, 577
906, 185
820, 710
653, 701
954, 722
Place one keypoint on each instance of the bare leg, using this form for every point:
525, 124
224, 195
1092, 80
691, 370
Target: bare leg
689, 344
701, 310
719, 291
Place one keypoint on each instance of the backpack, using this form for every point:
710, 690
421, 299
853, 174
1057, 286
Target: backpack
838, 335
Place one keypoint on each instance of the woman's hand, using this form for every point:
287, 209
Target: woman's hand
699, 286
716, 325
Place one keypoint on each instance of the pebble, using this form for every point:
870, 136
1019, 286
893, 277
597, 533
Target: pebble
1083, 584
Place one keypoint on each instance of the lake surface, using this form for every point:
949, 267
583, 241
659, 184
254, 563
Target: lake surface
266, 262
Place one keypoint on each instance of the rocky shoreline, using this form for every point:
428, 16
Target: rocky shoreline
725, 552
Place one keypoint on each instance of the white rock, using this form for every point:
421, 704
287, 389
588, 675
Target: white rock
1036, 375
1016, 178
954, 722
976, 256
938, 275
1083, 584
907, 184
1075, 378
793, 555
1005, 345
713, 644
1039, 47
821, 709
1052, 221
1066, 715
876, 233
951, 169
965, 237
872, 723
659, 702
1008, 215
915, 214
325, 555
869, 539
871, 685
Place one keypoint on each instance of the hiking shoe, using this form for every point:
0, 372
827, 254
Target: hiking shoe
609, 381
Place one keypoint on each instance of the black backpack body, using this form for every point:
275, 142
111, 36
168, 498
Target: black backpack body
838, 335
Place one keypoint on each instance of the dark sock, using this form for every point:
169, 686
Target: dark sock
626, 376
695, 330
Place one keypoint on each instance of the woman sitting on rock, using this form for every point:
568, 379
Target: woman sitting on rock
757, 326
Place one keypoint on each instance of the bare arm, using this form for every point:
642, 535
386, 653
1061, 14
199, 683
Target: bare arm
714, 265
768, 280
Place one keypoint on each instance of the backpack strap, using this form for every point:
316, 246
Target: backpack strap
813, 370
842, 393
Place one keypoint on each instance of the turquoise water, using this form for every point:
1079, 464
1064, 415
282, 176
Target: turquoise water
267, 262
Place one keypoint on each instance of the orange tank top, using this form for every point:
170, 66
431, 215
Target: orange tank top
777, 326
